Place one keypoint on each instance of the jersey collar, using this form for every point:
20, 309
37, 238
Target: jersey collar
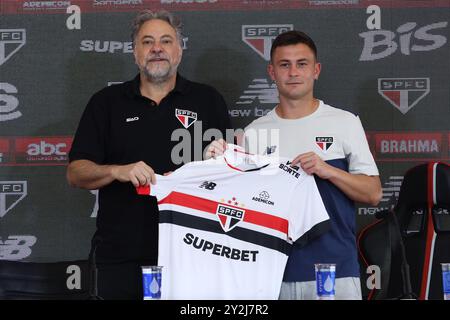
238, 159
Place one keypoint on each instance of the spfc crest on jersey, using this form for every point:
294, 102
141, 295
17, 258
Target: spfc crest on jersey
403, 93
229, 216
324, 143
186, 117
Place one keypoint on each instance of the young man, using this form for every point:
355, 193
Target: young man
125, 136
327, 142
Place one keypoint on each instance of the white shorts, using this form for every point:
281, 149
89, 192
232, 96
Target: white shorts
346, 289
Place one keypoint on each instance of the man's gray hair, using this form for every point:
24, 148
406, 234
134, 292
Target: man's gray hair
147, 15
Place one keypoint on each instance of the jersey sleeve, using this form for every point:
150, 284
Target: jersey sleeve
308, 217
357, 149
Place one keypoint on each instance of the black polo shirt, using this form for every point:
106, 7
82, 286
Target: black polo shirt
120, 126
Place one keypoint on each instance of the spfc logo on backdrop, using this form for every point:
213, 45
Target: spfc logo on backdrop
403, 93
11, 40
324, 143
186, 117
11, 193
229, 216
260, 37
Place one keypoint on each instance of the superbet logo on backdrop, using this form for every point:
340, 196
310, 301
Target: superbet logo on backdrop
403, 93
42, 149
11, 40
379, 44
260, 37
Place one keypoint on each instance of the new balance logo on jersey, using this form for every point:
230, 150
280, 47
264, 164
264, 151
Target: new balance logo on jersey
186, 117
324, 143
264, 198
16, 247
208, 185
403, 93
11, 193
229, 217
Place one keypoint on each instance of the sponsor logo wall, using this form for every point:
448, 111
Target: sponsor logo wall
394, 77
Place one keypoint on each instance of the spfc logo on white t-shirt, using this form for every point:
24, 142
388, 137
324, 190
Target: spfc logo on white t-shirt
229, 216
186, 117
324, 143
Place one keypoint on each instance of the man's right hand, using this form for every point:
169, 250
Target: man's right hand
138, 173
215, 149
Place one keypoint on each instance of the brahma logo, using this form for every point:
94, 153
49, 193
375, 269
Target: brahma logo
11, 193
230, 214
11, 40
260, 37
186, 117
403, 93
42, 149
324, 143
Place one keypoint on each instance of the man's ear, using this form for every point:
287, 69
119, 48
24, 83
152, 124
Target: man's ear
317, 69
270, 71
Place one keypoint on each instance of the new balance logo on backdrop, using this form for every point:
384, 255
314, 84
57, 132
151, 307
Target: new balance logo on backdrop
8, 102
16, 247
11, 40
403, 93
46, 5
260, 37
11, 193
391, 191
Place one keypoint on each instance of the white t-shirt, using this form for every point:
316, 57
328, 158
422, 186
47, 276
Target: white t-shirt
227, 225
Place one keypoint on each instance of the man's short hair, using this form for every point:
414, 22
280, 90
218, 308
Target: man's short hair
291, 38
147, 15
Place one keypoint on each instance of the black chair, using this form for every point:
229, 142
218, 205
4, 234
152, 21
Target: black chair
67, 280
409, 241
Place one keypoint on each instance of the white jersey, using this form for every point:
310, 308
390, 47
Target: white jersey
330, 132
227, 225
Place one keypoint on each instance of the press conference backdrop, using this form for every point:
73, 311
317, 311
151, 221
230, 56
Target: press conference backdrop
391, 67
